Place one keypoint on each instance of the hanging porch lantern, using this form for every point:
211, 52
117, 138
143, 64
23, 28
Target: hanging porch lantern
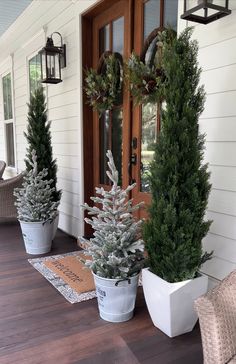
205, 11
53, 59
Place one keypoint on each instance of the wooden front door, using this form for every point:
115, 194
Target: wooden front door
112, 128
129, 131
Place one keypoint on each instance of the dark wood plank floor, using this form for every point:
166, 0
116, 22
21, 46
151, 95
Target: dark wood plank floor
37, 325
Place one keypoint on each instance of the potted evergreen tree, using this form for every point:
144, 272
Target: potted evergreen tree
36, 209
39, 139
116, 249
180, 187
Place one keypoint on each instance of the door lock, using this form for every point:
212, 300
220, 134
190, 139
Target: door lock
133, 159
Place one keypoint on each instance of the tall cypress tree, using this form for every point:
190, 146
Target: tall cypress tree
179, 179
39, 139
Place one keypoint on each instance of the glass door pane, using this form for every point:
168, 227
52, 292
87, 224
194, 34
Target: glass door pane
151, 19
156, 13
118, 35
116, 146
104, 145
148, 139
104, 39
170, 13
111, 37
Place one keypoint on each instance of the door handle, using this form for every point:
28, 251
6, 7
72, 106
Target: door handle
134, 143
133, 161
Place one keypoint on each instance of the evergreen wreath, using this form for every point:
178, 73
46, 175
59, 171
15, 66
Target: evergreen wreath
104, 85
147, 80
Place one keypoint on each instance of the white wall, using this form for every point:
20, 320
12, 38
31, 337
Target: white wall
217, 57
25, 37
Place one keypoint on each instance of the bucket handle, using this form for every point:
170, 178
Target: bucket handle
122, 280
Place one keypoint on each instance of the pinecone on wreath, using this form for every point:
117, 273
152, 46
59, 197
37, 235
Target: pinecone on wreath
150, 85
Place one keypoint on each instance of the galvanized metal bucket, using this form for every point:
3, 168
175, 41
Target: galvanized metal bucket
116, 297
37, 236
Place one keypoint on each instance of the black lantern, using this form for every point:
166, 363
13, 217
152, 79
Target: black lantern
53, 59
205, 11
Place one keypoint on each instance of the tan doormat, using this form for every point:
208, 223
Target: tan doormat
72, 271
68, 275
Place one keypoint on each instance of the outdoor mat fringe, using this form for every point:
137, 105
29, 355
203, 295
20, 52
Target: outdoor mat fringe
62, 285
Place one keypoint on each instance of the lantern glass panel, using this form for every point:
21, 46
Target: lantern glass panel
49, 66
53, 69
57, 66
43, 60
192, 3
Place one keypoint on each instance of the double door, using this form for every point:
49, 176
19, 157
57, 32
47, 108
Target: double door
129, 131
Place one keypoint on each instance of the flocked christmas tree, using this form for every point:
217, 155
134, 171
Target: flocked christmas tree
34, 200
39, 139
116, 248
179, 179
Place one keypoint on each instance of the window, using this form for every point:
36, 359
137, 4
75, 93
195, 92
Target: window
34, 73
8, 120
7, 96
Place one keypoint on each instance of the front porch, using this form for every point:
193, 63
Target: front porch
39, 326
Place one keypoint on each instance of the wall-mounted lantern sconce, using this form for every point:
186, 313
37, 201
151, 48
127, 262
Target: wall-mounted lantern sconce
53, 59
205, 11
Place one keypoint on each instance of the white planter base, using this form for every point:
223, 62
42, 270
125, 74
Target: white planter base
37, 237
170, 305
116, 302
112, 317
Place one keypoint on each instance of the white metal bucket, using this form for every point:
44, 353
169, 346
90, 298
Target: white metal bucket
116, 298
37, 236
55, 225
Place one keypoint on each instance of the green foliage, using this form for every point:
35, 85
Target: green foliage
147, 83
34, 201
147, 79
104, 89
39, 139
179, 179
116, 249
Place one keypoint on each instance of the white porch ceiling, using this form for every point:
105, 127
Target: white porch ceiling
9, 11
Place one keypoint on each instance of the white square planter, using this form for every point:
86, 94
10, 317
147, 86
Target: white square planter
170, 305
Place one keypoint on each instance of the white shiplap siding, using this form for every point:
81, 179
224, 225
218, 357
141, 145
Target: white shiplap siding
25, 37
217, 57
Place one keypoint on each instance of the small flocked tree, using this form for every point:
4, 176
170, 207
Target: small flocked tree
39, 139
34, 200
116, 249
179, 180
